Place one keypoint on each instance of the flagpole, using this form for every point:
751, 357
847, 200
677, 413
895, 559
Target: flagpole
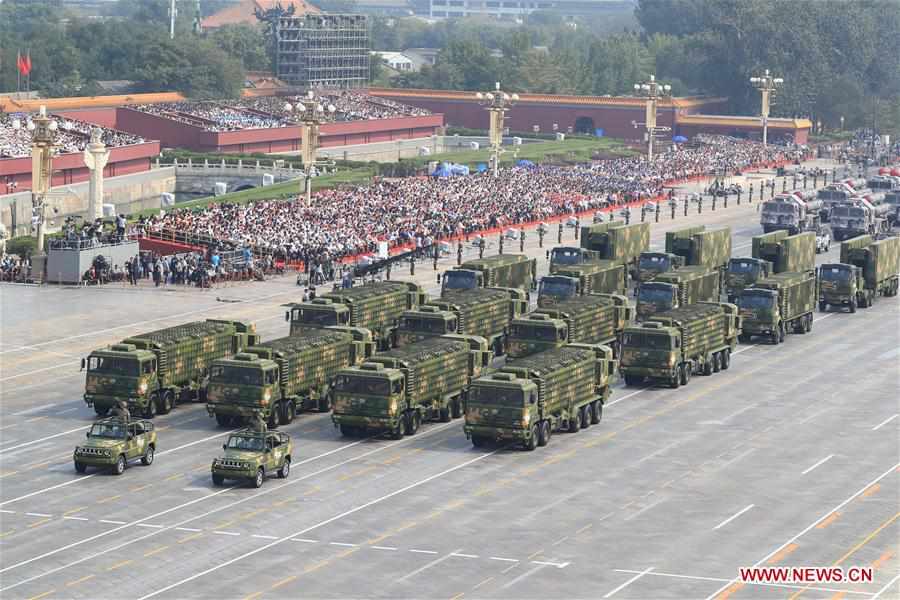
18, 72
28, 74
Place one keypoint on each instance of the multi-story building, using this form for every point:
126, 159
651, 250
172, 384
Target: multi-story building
519, 9
323, 50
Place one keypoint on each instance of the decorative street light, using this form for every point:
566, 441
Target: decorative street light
43, 131
497, 103
766, 86
653, 91
310, 113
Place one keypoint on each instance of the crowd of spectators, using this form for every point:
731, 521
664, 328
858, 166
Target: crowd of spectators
72, 135
213, 116
419, 210
349, 105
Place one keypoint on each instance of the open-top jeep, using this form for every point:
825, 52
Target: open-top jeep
115, 441
251, 455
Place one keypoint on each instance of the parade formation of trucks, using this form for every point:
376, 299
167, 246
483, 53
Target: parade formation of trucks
567, 282
152, 372
531, 397
860, 216
499, 271
867, 268
683, 287
619, 243
838, 193
774, 252
781, 301
670, 346
794, 211
395, 391
598, 319
374, 306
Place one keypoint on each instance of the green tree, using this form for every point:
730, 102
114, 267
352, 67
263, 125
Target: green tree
243, 42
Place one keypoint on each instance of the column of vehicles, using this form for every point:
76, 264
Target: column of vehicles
383, 358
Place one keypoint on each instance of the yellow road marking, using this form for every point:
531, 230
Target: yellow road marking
140, 487
175, 476
38, 465
356, 473
8, 473
535, 554
38, 523
871, 490
193, 536
455, 504
380, 538
458, 596
838, 596
867, 539
44, 595
253, 595
33, 419
224, 525
119, 565
730, 590
346, 553
82, 580
74, 510
828, 520
782, 553
312, 491
157, 551
284, 581
876, 564
3, 535
483, 582
109, 499
316, 566
408, 525
585, 528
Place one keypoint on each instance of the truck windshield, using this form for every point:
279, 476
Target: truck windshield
654, 263
756, 301
558, 288
460, 280
743, 266
435, 324
310, 316
566, 256
545, 333
655, 294
496, 396
236, 375
240, 442
114, 365
779, 207
652, 341
108, 430
835, 274
354, 384
892, 198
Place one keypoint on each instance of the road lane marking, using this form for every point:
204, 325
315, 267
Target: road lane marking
787, 550
550, 564
722, 579
821, 462
346, 545
489, 579
500, 558
188, 529
264, 537
885, 422
828, 520
417, 551
867, 539
37, 515
464, 555
43, 439
888, 555
629, 582
44, 595
82, 580
427, 566
157, 551
383, 547
527, 573
886, 586
304, 540
112, 522
39, 523
76, 518
119, 565
734, 516
150, 525
871, 490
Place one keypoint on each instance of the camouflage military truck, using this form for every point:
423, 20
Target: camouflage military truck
252, 455
619, 243
396, 390
374, 306
499, 271
651, 264
602, 277
113, 442
481, 312
154, 371
275, 380
772, 305
867, 268
587, 320
860, 216
700, 247
838, 193
892, 199
685, 286
670, 346
775, 252
530, 398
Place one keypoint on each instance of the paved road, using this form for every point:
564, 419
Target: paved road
790, 458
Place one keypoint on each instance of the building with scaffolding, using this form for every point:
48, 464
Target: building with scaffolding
323, 50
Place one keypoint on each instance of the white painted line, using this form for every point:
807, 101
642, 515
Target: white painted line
417, 551
503, 559
884, 589
383, 548
76, 518
37, 515
734, 516
188, 529
112, 522
821, 462
304, 540
551, 564
743, 410
264, 537
426, 566
49, 437
527, 573
150, 525
464, 555
36, 371
658, 452
808, 527
720, 579
643, 510
343, 544
68, 410
626, 396
885, 422
226, 533
629, 582
9, 512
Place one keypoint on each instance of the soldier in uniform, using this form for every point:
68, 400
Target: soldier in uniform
121, 411
259, 425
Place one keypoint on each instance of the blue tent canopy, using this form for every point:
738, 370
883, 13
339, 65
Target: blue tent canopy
448, 169
679, 139
525, 163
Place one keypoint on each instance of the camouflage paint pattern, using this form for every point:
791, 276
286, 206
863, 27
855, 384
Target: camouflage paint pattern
243, 462
664, 262
787, 253
602, 277
683, 287
621, 244
103, 451
785, 297
879, 261
737, 277
503, 270
482, 312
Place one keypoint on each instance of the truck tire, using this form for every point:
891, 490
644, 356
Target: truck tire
708, 366
285, 469
744, 338
716, 362
532, 442
863, 301
675, 381
274, 418
587, 416
150, 409
445, 414
457, 408
80, 467
399, 430
147, 458
119, 467
325, 401
809, 322
260, 478
632, 380
726, 359
477, 441
823, 306
414, 419
686, 373
218, 479
575, 423
596, 411
853, 305
544, 433
348, 431
166, 402
288, 412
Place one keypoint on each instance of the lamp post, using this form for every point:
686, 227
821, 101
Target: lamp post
497, 103
43, 142
842, 123
766, 86
653, 91
310, 113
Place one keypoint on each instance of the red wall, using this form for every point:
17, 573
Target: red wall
105, 117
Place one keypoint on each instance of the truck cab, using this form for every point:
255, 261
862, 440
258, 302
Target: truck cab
425, 322
319, 312
654, 297
252, 455
120, 373
241, 387
502, 406
554, 288
651, 264
840, 285
566, 256
760, 314
112, 443
372, 396
744, 272
535, 333
650, 350
461, 279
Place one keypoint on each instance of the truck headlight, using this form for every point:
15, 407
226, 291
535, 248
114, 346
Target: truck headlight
142, 388
526, 419
671, 360
393, 406
267, 396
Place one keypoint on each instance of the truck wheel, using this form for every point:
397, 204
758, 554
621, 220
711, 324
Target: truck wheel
675, 381
632, 380
101, 411
726, 359
823, 306
80, 467
686, 378
708, 366
575, 422
165, 403
260, 478
412, 426
587, 416
218, 479
781, 333
325, 402
457, 408
596, 411
147, 458
150, 410
274, 417
288, 412
223, 420
477, 441
544, 433
716, 362
399, 430
852, 305
285, 469
445, 414
809, 322
348, 431
119, 467
532, 441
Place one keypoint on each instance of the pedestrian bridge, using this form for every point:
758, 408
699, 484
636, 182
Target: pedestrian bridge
200, 178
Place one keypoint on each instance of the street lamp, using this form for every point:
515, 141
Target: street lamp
653, 91
842, 123
497, 103
766, 86
310, 112
43, 142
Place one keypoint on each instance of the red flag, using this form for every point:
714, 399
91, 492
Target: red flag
28, 63
19, 63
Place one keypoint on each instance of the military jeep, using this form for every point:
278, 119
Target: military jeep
251, 455
115, 441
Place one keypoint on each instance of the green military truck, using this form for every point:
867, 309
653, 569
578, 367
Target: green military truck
683, 287
112, 442
601, 277
275, 380
481, 312
154, 371
373, 306
558, 389
587, 320
770, 306
867, 268
670, 346
688, 246
499, 271
396, 390
252, 455
774, 252
566, 256
622, 244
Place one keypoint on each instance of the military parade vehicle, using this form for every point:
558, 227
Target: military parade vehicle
774, 252
397, 390
499, 271
275, 380
373, 306
601, 277
529, 398
596, 319
565, 256
860, 216
621, 244
154, 371
677, 288
481, 312
113, 442
670, 346
867, 268
253, 454
781, 301
838, 193
795, 212
892, 199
